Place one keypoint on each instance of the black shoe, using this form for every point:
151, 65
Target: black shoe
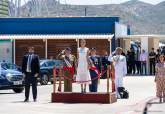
26, 100
160, 100
35, 100
163, 100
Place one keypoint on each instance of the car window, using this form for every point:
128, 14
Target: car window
1, 68
58, 63
42, 64
12, 66
8, 66
50, 63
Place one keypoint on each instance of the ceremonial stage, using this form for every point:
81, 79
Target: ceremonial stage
73, 97
88, 97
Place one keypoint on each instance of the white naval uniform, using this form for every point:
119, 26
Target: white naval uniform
120, 70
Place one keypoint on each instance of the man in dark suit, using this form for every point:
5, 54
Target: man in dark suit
30, 69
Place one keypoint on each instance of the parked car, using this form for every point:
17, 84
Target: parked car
11, 77
46, 70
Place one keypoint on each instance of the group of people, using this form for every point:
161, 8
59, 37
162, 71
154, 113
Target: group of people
137, 61
156, 66
88, 67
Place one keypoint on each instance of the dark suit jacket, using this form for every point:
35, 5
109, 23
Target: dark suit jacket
35, 64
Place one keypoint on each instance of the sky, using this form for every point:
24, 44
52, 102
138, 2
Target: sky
97, 2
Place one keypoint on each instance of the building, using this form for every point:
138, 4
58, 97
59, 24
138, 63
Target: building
4, 7
51, 35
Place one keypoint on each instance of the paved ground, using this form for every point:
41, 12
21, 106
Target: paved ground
154, 107
142, 89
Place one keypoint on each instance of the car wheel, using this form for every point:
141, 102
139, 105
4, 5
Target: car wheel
44, 79
18, 90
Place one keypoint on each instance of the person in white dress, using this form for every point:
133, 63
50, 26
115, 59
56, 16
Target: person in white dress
83, 74
119, 62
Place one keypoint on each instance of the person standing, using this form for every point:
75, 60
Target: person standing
157, 55
152, 60
31, 70
143, 60
137, 60
104, 64
132, 61
160, 79
119, 62
128, 62
69, 61
83, 75
95, 69
163, 51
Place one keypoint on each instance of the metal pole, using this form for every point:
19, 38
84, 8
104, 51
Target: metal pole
113, 78
46, 49
110, 48
77, 43
108, 68
85, 11
19, 5
54, 79
15, 8
60, 79
14, 51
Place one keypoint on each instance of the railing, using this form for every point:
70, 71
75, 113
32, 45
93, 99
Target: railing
110, 75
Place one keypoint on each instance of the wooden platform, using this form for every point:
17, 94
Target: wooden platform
69, 97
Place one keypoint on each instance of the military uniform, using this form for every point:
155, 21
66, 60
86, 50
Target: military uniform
94, 72
69, 70
120, 70
104, 64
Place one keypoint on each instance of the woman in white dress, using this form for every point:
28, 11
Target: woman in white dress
83, 75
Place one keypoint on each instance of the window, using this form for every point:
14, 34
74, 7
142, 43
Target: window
43, 64
58, 63
8, 66
50, 63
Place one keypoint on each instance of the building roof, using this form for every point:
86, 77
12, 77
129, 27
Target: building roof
64, 36
142, 36
62, 25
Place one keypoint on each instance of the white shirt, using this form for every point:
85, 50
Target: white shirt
120, 64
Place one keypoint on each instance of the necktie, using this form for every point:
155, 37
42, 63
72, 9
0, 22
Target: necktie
0, 69
29, 63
